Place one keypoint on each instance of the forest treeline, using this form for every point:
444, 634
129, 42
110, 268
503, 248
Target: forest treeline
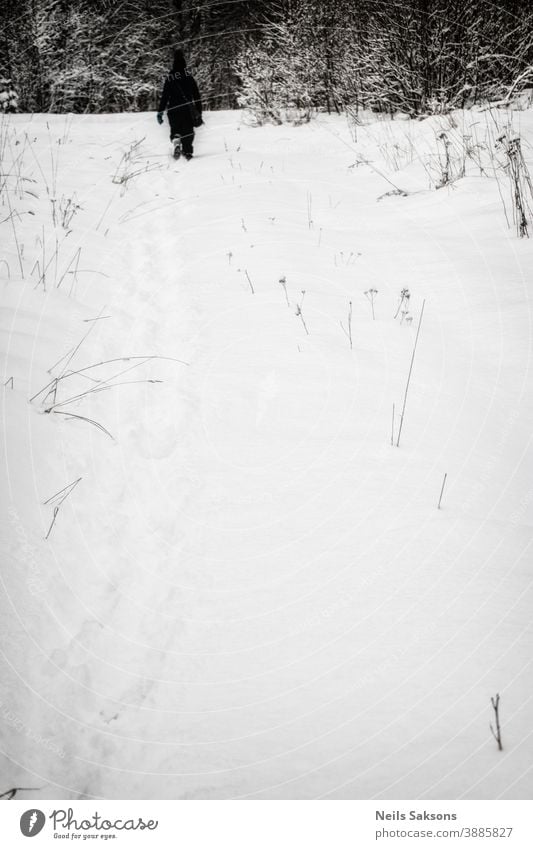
279, 58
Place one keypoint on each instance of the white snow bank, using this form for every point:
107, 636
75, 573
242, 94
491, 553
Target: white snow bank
250, 593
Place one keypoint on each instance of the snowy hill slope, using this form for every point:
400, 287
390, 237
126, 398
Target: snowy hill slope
250, 592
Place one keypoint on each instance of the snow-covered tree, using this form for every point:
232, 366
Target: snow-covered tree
8, 96
281, 58
277, 75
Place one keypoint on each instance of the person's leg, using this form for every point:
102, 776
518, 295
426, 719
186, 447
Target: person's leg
174, 127
187, 144
175, 138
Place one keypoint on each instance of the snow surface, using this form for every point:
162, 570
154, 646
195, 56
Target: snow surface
251, 593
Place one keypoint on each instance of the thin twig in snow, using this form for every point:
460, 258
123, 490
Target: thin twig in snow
84, 419
249, 281
404, 296
409, 375
495, 702
104, 363
301, 317
283, 281
60, 498
96, 389
348, 331
19, 250
442, 490
370, 295
75, 258
98, 318
10, 794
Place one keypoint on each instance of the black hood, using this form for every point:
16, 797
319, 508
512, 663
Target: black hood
180, 65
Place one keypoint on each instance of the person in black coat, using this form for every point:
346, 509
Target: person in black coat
181, 99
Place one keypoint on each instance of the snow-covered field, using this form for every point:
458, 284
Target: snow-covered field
250, 593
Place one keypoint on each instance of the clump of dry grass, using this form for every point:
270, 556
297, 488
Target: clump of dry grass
521, 185
132, 163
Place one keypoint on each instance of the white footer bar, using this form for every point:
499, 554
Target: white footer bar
269, 824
